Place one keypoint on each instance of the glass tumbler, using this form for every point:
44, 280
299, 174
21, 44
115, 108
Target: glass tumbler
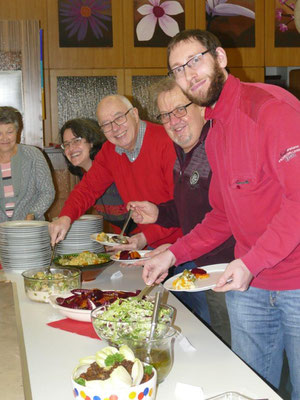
158, 352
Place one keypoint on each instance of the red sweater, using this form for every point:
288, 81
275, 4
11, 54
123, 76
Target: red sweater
253, 148
149, 177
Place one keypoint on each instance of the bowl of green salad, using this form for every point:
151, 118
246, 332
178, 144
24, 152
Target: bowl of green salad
40, 283
130, 319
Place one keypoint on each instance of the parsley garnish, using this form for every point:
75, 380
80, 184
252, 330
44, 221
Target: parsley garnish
80, 381
113, 358
148, 369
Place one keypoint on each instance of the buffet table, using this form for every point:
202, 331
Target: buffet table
52, 354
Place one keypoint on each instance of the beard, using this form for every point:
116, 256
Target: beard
213, 93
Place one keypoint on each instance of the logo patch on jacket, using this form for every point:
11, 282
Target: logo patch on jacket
194, 178
289, 153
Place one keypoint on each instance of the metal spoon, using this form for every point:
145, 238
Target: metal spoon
120, 238
51, 260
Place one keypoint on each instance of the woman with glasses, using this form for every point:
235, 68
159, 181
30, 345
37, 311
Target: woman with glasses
81, 140
26, 185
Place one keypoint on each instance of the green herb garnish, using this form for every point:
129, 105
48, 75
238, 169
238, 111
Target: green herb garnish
113, 358
80, 381
148, 369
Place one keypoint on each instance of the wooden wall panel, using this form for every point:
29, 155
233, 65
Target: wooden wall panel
23, 36
277, 56
27, 10
249, 74
148, 56
85, 57
242, 56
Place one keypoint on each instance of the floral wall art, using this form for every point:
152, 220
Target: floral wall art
156, 21
232, 21
85, 23
287, 23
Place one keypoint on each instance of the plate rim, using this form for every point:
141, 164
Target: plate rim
220, 267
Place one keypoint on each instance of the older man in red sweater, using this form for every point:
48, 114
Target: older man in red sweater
138, 157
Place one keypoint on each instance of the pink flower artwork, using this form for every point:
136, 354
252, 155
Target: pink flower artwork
85, 23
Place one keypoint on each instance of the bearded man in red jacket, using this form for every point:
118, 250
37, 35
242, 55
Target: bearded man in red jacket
253, 148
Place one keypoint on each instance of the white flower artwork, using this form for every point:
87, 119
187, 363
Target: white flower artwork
158, 11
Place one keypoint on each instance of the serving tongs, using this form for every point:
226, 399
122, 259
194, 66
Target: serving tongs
153, 324
144, 291
121, 239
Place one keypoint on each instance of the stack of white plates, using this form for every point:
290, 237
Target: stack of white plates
24, 244
78, 237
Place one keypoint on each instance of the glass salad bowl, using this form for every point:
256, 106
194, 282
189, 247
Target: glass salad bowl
130, 319
40, 283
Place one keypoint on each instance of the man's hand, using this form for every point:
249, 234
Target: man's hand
236, 277
144, 212
58, 229
136, 242
156, 269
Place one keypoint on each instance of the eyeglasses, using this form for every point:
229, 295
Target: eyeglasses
178, 112
192, 63
75, 141
120, 120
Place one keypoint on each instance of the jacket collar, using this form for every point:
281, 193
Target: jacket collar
223, 107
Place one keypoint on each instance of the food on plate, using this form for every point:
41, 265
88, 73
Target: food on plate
188, 278
200, 273
130, 319
103, 237
83, 258
128, 255
41, 283
88, 299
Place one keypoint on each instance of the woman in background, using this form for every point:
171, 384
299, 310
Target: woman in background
26, 187
81, 140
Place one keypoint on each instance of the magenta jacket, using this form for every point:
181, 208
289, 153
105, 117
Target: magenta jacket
253, 149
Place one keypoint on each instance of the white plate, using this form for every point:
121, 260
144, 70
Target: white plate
141, 252
94, 238
215, 271
72, 313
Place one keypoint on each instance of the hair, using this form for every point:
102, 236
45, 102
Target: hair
206, 38
120, 97
90, 131
10, 115
163, 85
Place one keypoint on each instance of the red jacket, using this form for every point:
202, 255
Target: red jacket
149, 177
253, 148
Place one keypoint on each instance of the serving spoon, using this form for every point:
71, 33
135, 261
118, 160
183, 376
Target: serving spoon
121, 239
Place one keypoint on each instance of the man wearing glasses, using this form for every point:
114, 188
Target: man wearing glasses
185, 125
253, 148
138, 157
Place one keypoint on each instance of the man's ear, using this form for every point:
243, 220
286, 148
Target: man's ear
221, 57
136, 114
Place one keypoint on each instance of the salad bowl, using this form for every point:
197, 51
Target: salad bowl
128, 319
41, 283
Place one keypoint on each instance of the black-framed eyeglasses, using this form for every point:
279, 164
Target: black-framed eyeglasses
120, 120
75, 141
178, 112
193, 63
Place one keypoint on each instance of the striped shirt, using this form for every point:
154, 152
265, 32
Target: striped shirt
8, 189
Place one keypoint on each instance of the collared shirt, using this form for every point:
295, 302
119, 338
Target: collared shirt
132, 155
